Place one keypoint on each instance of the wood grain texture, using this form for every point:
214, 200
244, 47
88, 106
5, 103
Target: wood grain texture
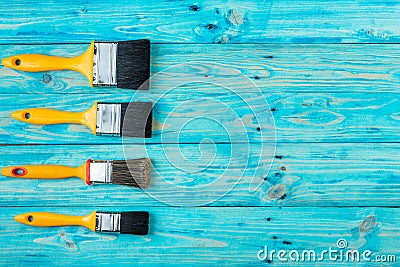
341, 21
320, 79
322, 175
202, 236
239, 68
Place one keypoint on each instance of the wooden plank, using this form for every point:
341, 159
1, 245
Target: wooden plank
341, 21
203, 236
182, 117
238, 68
176, 119
302, 174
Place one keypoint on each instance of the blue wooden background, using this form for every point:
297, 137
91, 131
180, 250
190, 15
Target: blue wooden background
275, 123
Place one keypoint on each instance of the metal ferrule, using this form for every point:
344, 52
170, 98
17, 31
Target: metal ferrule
105, 64
100, 172
108, 222
108, 119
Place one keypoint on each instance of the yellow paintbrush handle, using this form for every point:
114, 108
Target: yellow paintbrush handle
36, 63
47, 116
53, 219
50, 116
45, 172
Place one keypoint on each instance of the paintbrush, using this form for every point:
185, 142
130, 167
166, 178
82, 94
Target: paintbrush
134, 172
134, 222
122, 64
132, 119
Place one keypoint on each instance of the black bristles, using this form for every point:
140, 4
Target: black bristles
133, 64
136, 119
133, 172
134, 222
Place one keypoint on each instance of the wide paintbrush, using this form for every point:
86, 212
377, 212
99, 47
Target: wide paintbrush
134, 222
132, 119
123, 64
133, 172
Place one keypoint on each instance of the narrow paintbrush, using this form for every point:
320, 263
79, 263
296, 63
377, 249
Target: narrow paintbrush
122, 64
134, 222
128, 119
135, 172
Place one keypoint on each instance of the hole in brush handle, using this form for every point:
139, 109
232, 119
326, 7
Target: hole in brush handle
30, 218
19, 171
